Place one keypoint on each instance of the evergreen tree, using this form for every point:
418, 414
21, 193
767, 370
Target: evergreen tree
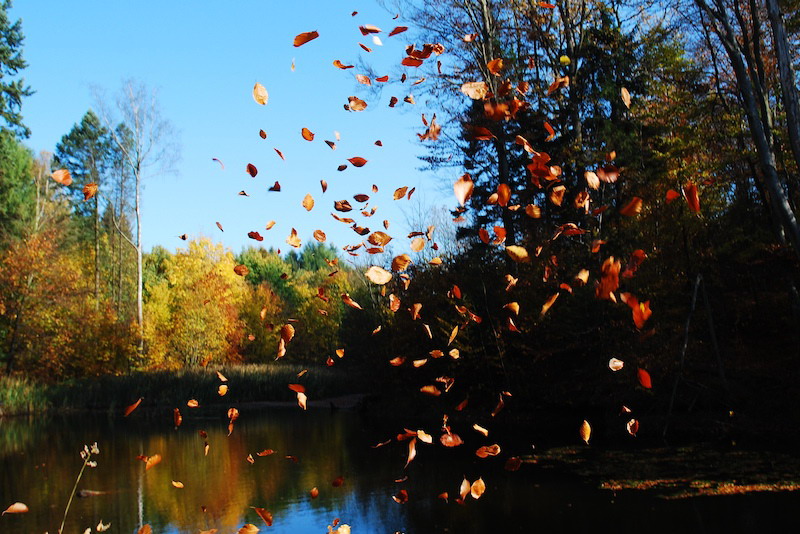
11, 63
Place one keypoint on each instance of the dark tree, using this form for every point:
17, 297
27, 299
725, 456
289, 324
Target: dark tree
11, 63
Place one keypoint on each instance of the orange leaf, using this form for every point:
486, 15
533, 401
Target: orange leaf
634, 207
692, 198
62, 176
308, 202
241, 270
307, 134
379, 276
305, 37
585, 431
264, 514
644, 378
354, 104
495, 66
341, 65
133, 406
16, 508
475, 90
89, 190
319, 235
626, 97
463, 189
350, 302
293, 240
357, 161
477, 488
398, 29
152, 461
503, 194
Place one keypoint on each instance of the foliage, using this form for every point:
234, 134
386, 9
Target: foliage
11, 63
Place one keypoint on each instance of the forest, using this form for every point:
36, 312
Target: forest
623, 231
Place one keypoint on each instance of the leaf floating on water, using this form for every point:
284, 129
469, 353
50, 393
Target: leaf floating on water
133, 406
260, 94
16, 508
585, 431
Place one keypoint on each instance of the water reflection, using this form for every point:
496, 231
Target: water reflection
39, 461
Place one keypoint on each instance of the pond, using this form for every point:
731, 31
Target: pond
39, 461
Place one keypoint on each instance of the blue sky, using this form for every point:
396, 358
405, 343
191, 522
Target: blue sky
204, 59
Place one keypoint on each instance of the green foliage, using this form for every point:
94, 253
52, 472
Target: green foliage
16, 187
11, 63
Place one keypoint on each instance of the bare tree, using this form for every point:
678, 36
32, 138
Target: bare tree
147, 143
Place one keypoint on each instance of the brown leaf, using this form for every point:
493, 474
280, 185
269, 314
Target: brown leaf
177, 417
355, 104
398, 29
305, 37
260, 94
449, 439
276, 187
255, 235
357, 161
341, 65
364, 80
314, 492
401, 497
488, 450
417, 244
248, 529
251, 170
337, 482
192, 403
319, 235
307, 134
400, 193
133, 406
241, 270
145, 529
287, 333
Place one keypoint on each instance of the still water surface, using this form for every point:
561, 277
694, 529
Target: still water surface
39, 461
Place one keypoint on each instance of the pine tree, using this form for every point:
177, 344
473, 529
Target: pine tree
11, 63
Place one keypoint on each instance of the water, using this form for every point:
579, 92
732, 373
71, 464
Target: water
39, 461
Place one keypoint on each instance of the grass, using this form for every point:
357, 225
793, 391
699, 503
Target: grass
109, 393
19, 395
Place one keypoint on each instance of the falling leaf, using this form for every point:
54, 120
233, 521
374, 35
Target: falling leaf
364, 80
222, 390
354, 104
518, 254
177, 417
241, 270
477, 488
379, 276
301, 399
305, 37
431, 390
644, 378
615, 364
634, 207
255, 235
417, 244
350, 302
400, 193
626, 97
453, 335
89, 190
16, 508
337, 482
178, 484
633, 427
357, 161
133, 406
307, 134
463, 189
293, 240
308, 202
475, 90
450, 439
585, 431
192, 403
341, 65
260, 94
495, 66
152, 461
488, 450
319, 235
248, 529
691, 196
398, 29
550, 301
672, 195
401, 497
145, 530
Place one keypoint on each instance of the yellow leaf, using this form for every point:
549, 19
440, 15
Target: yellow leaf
260, 94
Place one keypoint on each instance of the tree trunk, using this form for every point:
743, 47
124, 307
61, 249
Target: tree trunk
139, 287
788, 87
777, 196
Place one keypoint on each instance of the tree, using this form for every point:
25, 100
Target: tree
147, 145
87, 152
11, 62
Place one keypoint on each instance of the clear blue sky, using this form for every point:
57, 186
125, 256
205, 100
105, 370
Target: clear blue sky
204, 59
